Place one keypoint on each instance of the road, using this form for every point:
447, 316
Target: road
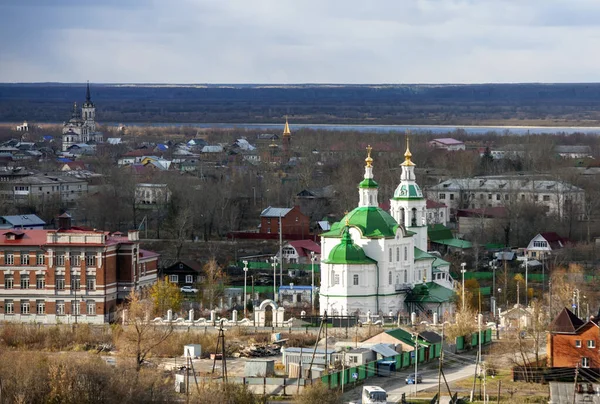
395, 385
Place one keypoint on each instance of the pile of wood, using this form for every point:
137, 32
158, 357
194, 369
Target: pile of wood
258, 351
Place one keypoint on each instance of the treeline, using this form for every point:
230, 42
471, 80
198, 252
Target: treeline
555, 104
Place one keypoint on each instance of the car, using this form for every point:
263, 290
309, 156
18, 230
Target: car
189, 289
410, 379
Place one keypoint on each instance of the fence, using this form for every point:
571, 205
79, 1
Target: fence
469, 341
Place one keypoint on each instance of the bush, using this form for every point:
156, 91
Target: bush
224, 393
318, 394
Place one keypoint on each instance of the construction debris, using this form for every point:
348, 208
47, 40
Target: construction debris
258, 351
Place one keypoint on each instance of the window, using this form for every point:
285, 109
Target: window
60, 307
489, 196
535, 197
90, 283
390, 278
397, 253
40, 259
9, 307
577, 343
24, 258
90, 260
75, 260
9, 259
585, 362
174, 278
480, 196
189, 279
497, 197
355, 280
24, 281
60, 282
75, 307
336, 279
591, 343
40, 281
9, 281
60, 259
405, 253
405, 276
24, 307
546, 198
390, 255
522, 197
40, 307
75, 282
442, 196
91, 308
506, 197
451, 197
542, 244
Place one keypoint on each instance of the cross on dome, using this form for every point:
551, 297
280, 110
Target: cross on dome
369, 160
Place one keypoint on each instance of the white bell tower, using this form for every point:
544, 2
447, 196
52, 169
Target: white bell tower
367, 189
408, 206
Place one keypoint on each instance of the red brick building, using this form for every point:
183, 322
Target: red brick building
70, 274
293, 221
572, 341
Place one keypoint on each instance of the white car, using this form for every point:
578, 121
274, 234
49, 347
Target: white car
189, 289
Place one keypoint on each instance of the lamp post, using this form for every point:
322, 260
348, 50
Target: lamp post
245, 295
462, 271
312, 284
526, 288
576, 300
274, 278
499, 292
494, 280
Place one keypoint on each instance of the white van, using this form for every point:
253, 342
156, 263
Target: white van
373, 394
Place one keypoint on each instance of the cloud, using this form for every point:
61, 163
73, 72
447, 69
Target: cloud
287, 41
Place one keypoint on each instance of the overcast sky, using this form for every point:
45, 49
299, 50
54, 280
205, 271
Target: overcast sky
300, 41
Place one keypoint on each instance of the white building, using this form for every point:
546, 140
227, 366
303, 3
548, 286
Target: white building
447, 143
152, 194
371, 262
81, 128
559, 198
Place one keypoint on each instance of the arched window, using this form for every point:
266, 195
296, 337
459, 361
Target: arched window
413, 220
397, 253
390, 277
390, 255
405, 253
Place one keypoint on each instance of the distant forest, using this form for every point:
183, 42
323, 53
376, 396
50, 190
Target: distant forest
491, 104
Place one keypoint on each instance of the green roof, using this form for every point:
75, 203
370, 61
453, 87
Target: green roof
408, 191
430, 292
454, 242
368, 183
422, 255
406, 337
438, 232
347, 252
439, 262
373, 222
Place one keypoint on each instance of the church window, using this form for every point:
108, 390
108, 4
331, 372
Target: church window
355, 280
390, 255
414, 217
332, 276
336, 279
390, 277
405, 253
397, 253
405, 276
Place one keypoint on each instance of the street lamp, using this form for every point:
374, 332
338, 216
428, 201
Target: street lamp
526, 288
499, 292
245, 295
312, 284
576, 300
274, 264
462, 271
494, 280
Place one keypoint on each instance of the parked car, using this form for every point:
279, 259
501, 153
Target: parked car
410, 379
188, 289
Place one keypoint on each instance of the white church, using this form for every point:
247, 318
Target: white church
375, 261
81, 128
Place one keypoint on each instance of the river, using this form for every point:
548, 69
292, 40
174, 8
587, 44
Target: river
435, 129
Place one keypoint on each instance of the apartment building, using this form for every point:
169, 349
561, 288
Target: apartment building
71, 274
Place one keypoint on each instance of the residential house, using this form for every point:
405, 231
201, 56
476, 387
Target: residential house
301, 252
72, 166
437, 212
516, 318
573, 152
557, 197
544, 244
152, 194
317, 201
183, 273
447, 143
295, 295
23, 190
71, 274
291, 221
21, 222
400, 339
573, 342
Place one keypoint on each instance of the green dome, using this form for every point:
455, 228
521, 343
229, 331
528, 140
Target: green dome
347, 252
408, 191
373, 222
368, 183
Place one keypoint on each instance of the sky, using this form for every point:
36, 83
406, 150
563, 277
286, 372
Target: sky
299, 41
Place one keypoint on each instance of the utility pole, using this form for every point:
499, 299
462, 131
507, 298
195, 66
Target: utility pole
343, 368
440, 367
416, 361
575, 383
221, 343
280, 251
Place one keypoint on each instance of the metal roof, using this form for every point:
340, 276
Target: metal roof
275, 212
384, 350
24, 220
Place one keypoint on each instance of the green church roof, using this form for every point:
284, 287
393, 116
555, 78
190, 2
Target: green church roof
408, 191
368, 183
347, 252
373, 222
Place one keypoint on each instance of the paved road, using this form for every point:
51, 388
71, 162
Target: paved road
395, 385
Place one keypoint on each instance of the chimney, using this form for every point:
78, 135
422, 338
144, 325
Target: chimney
133, 235
64, 221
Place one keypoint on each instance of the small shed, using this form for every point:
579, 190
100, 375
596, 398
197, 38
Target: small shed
356, 356
193, 351
259, 368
